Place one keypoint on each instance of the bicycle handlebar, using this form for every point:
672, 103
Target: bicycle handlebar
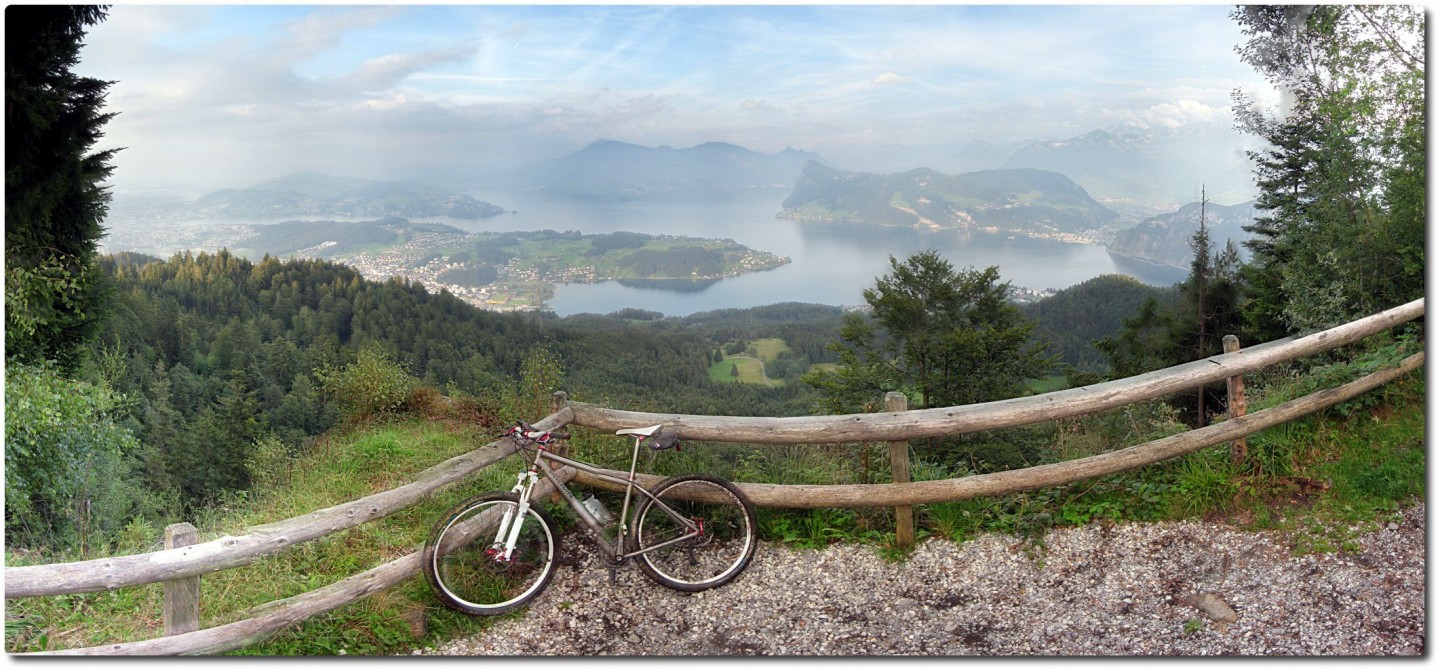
530, 433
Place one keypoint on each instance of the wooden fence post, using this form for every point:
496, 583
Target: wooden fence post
558, 401
900, 473
181, 612
1235, 386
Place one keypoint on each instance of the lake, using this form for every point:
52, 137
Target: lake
830, 263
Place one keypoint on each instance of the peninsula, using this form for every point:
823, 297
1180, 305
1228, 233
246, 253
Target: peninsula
504, 271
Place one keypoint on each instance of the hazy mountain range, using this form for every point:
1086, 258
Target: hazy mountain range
1139, 170
311, 193
1165, 238
1025, 199
610, 170
1132, 173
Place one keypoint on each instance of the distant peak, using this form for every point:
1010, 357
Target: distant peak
610, 144
720, 146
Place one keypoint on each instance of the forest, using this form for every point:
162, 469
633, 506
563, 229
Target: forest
215, 355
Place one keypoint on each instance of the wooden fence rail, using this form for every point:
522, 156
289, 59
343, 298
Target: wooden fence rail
936, 422
179, 564
1047, 475
97, 575
272, 617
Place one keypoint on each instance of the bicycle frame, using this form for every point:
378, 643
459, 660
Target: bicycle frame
527, 479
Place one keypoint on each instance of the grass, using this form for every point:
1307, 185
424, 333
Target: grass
1321, 480
750, 366
766, 349
1047, 385
338, 469
750, 371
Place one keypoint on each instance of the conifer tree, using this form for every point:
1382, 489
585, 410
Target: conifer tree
1342, 184
949, 337
54, 201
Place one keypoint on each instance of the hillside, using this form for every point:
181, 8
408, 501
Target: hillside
608, 170
320, 239
1074, 318
1030, 201
316, 194
1165, 239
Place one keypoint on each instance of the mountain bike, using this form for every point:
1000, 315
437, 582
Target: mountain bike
496, 552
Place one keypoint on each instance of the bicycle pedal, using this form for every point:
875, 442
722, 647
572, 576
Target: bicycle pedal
612, 575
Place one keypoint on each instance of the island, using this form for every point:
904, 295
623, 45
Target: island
504, 271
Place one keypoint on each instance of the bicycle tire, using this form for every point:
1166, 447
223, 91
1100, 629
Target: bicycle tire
707, 561
468, 577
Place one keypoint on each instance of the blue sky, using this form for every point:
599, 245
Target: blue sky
212, 96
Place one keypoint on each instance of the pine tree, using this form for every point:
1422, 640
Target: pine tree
950, 337
1197, 290
1341, 185
54, 201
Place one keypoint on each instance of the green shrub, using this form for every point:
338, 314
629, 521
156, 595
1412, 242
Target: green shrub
65, 469
528, 397
269, 463
373, 385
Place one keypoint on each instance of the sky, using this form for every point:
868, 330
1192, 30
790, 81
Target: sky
227, 96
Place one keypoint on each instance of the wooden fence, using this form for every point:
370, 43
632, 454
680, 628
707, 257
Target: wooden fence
184, 561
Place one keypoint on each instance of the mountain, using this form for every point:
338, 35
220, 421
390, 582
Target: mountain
309, 193
1165, 239
610, 170
1167, 166
1034, 201
949, 158
326, 239
1072, 319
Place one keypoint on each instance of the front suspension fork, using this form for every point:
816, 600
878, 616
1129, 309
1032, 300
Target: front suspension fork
509, 532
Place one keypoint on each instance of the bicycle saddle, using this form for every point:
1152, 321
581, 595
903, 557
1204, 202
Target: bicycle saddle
646, 431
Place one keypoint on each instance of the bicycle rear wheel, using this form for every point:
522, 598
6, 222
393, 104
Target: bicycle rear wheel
714, 557
466, 567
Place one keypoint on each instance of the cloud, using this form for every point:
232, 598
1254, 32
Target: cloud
265, 87
1170, 115
388, 70
326, 28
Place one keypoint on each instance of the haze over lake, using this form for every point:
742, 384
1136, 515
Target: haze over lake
830, 264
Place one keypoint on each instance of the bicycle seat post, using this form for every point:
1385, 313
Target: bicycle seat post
635, 458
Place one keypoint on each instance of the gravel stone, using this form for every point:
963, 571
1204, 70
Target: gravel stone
1096, 590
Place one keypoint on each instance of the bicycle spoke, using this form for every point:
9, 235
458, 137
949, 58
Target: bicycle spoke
472, 574
711, 558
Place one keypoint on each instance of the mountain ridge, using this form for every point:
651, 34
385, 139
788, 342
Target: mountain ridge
313, 193
613, 170
1165, 238
1026, 200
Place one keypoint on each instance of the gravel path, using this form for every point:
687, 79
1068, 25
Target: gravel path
1132, 589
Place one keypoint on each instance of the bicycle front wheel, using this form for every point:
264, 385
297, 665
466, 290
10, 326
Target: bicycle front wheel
464, 559
719, 552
